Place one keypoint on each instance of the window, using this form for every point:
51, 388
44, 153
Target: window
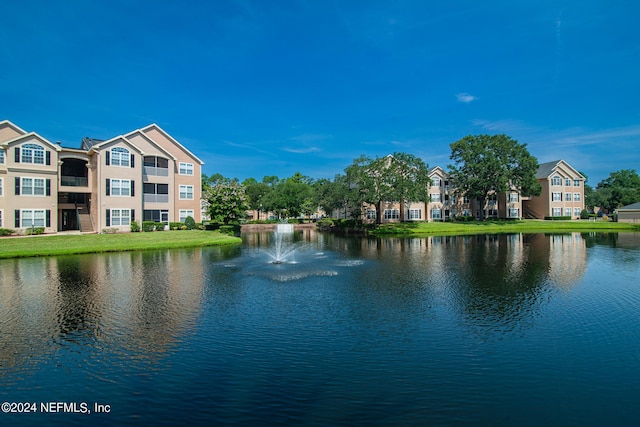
556, 211
371, 214
514, 197
576, 197
186, 192
466, 212
120, 157
120, 187
466, 201
576, 211
1, 157
556, 180
436, 213
120, 217
556, 197
32, 153
567, 211
415, 214
567, 182
514, 213
186, 168
32, 218
156, 215
567, 197
435, 197
31, 187
576, 182
435, 182
184, 213
391, 214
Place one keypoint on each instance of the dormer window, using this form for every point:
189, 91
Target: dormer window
120, 157
556, 180
32, 153
436, 182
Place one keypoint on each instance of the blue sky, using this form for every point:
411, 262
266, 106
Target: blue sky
259, 88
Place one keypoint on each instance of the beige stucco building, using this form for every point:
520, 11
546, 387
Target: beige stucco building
142, 175
562, 195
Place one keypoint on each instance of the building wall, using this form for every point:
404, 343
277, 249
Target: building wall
105, 177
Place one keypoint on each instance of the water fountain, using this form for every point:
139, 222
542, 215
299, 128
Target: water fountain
283, 247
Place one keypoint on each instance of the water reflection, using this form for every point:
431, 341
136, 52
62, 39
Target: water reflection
362, 331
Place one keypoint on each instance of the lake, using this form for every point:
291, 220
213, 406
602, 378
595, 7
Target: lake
499, 330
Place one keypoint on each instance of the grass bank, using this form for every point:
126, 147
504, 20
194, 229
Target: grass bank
18, 247
492, 227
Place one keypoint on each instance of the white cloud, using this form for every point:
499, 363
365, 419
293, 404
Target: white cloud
302, 150
466, 97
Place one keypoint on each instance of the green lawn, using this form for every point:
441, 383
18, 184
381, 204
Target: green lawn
11, 247
525, 226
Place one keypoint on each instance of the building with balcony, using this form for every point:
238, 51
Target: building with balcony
142, 175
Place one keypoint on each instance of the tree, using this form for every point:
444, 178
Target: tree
227, 200
289, 195
398, 177
258, 194
621, 188
489, 164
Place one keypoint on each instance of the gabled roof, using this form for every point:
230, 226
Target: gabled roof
7, 123
88, 143
112, 141
631, 207
545, 170
151, 141
31, 135
170, 138
437, 169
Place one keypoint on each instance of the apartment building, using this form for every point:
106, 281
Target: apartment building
562, 195
562, 192
142, 175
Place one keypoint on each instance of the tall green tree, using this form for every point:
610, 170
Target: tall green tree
484, 164
290, 194
226, 199
258, 194
621, 188
398, 177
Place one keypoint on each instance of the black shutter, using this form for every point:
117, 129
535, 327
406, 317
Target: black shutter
106, 157
17, 155
133, 163
17, 215
108, 187
48, 155
108, 218
133, 188
48, 187
17, 185
48, 213
133, 215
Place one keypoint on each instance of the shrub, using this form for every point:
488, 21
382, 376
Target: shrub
111, 230
34, 231
190, 223
199, 226
175, 226
148, 226
227, 229
584, 214
135, 227
159, 226
557, 218
6, 231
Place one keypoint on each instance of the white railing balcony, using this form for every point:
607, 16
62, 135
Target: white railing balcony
155, 171
156, 198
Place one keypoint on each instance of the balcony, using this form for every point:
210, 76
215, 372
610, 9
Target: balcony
155, 171
156, 198
74, 181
